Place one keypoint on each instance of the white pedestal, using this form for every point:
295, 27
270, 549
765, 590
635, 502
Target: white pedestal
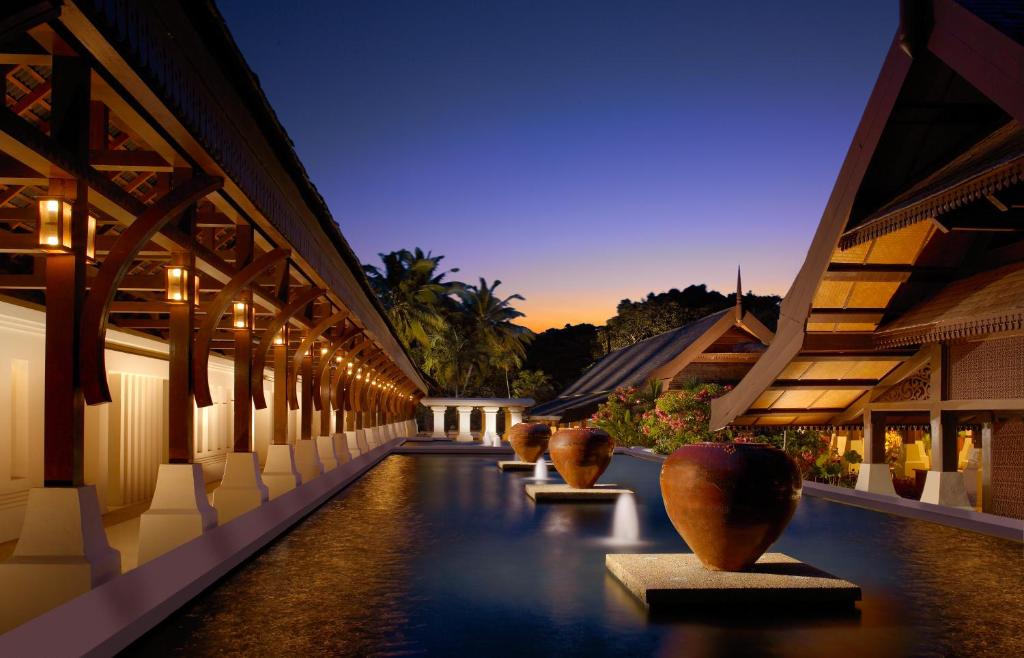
489, 436
179, 511
364, 447
352, 440
464, 433
325, 451
875, 478
307, 461
62, 552
945, 488
241, 489
438, 431
341, 448
279, 473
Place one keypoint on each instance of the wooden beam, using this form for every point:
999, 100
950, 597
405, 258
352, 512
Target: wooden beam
868, 273
828, 384
215, 309
115, 267
841, 342
141, 161
848, 315
792, 412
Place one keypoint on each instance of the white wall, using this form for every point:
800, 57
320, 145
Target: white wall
124, 440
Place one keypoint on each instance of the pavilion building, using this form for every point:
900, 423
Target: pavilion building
720, 347
907, 316
178, 307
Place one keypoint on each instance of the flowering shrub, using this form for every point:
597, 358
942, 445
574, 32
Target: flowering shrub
682, 417
620, 415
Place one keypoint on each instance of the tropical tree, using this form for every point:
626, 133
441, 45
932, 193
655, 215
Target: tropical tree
533, 384
413, 292
489, 320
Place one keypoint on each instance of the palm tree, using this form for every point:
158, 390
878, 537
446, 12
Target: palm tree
489, 319
413, 292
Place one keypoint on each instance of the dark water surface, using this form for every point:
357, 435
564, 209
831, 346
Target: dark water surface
446, 556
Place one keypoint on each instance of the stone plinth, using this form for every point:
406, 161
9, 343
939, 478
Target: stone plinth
516, 466
325, 451
307, 461
62, 552
241, 489
279, 473
679, 580
179, 511
557, 493
341, 448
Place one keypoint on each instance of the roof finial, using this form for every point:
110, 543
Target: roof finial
739, 295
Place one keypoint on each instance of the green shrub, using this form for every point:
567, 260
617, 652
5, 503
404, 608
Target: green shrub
620, 415
682, 417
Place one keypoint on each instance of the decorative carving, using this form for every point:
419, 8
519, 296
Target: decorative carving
917, 386
988, 369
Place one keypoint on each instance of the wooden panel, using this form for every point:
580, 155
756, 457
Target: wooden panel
832, 294
871, 294
986, 369
854, 255
836, 398
900, 247
1008, 469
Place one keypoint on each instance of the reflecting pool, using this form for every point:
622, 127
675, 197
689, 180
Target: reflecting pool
445, 555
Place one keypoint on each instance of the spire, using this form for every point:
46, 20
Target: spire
739, 295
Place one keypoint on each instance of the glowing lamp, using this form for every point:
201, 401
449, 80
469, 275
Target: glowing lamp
279, 337
323, 351
177, 287
241, 315
54, 227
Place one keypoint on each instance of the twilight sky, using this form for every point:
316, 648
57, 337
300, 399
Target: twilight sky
582, 151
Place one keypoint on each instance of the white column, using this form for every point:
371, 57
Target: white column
464, 433
489, 436
517, 415
438, 422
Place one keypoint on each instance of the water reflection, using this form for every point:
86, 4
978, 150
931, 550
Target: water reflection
445, 555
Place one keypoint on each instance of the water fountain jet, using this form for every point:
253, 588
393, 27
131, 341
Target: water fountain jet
540, 471
626, 520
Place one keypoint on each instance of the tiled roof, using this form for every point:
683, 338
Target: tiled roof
627, 366
989, 302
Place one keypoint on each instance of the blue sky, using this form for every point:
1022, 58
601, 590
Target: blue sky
580, 151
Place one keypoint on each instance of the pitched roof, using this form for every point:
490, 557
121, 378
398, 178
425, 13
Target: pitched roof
627, 366
935, 98
984, 303
989, 166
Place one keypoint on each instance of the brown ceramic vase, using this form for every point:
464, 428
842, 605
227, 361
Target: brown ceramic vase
529, 440
730, 501
581, 455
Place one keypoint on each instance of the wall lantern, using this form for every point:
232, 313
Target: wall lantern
281, 336
241, 315
323, 351
54, 227
177, 287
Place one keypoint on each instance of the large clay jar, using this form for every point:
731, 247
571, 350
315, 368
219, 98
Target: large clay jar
581, 454
529, 440
730, 501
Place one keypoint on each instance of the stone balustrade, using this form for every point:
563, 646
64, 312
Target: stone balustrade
489, 407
